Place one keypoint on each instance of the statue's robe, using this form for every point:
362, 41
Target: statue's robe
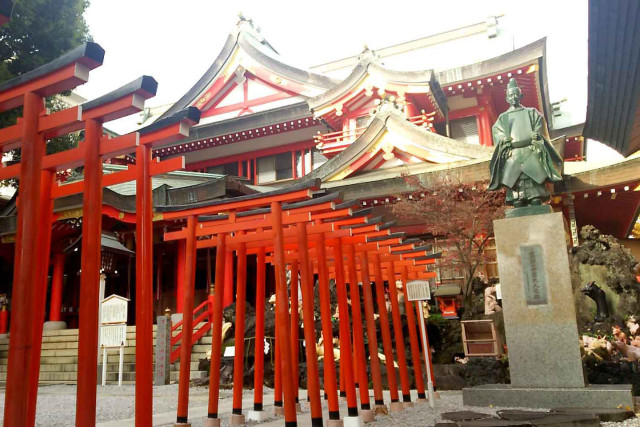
524, 157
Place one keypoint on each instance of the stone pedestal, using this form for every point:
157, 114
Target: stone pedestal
257, 416
335, 423
407, 404
591, 396
380, 410
366, 415
396, 407
237, 420
278, 411
54, 325
211, 422
353, 421
539, 316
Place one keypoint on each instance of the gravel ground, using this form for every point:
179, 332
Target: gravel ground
57, 403
56, 407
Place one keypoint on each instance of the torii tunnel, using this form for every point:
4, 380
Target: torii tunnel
324, 237
297, 228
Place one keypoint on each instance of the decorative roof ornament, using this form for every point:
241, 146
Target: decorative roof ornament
389, 105
369, 55
246, 24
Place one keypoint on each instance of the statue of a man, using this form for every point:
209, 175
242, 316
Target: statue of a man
524, 160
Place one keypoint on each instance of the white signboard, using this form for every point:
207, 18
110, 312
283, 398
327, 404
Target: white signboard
418, 290
113, 335
114, 310
498, 291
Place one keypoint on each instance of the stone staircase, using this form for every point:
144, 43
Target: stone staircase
59, 358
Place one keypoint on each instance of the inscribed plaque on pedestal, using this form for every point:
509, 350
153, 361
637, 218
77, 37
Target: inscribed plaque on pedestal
534, 275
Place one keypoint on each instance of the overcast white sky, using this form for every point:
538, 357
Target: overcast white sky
176, 41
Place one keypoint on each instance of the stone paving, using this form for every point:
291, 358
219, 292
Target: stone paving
116, 405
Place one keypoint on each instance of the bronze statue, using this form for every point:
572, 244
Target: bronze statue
524, 161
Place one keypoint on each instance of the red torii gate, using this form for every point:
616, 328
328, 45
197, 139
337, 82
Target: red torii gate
36, 172
307, 227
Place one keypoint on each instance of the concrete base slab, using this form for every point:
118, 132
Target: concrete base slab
237, 420
210, 422
423, 401
592, 396
54, 325
278, 411
183, 425
367, 415
353, 421
257, 416
396, 407
380, 410
334, 423
407, 404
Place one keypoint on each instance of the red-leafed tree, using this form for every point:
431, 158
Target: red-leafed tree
462, 214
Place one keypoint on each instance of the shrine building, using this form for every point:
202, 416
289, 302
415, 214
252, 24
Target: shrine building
360, 126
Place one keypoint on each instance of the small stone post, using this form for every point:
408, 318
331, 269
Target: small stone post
163, 349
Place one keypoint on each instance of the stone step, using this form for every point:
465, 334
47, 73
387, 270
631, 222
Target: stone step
174, 376
206, 339
176, 366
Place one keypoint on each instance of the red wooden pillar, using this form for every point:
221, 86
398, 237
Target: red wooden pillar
413, 337
295, 328
144, 289
277, 373
282, 318
216, 328
346, 358
258, 373
90, 277
228, 280
39, 297
187, 322
241, 302
343, 387
57, 278
358, 333
180, 255
397, 328
313, 377
371, 330
386, 332
27, 242
330, 382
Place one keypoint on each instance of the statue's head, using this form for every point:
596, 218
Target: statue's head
514, 94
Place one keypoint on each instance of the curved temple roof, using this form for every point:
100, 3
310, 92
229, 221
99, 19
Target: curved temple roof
390, 135
529, 64
368, 74
247, 50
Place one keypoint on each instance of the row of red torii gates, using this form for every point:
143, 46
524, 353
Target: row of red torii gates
321, 236
286, 228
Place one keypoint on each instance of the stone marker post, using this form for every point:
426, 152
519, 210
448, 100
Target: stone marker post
163, 350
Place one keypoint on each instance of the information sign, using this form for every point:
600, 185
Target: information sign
418, 290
